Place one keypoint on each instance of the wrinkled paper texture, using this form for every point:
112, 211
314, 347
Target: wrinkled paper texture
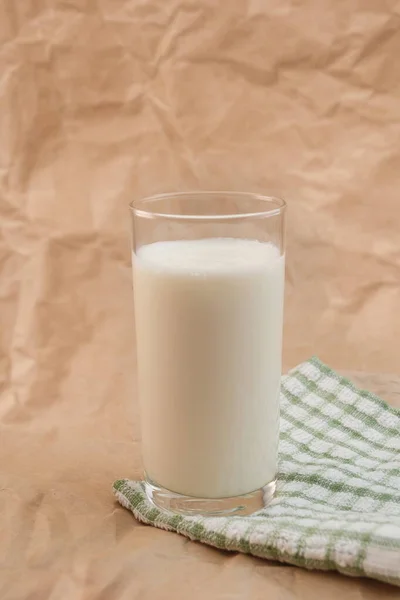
104, 101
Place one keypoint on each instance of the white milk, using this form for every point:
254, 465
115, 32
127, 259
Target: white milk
209, 337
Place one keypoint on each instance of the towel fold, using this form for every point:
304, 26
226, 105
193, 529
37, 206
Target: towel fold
337, 505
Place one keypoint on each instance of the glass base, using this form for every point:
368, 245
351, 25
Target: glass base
189, 505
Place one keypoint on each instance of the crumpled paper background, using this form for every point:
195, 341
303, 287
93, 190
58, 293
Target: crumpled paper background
103, 101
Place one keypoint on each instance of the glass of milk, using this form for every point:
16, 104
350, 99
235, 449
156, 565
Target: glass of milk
208, 270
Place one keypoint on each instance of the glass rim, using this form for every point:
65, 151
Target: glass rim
138, 207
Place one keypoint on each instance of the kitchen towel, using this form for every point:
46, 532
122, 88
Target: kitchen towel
337, 505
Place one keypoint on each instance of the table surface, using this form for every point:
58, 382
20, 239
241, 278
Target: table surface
63, 536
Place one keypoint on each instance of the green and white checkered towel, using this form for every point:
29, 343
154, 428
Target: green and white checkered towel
338, 496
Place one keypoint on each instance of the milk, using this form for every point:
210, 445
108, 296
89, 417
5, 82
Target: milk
209, 336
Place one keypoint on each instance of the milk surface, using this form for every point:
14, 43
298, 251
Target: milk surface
209, 336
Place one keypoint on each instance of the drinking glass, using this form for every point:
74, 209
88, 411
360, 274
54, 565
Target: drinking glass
208, 271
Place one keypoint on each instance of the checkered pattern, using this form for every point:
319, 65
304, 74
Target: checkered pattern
338, 496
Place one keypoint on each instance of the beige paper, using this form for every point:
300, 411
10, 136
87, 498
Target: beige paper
103, 101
